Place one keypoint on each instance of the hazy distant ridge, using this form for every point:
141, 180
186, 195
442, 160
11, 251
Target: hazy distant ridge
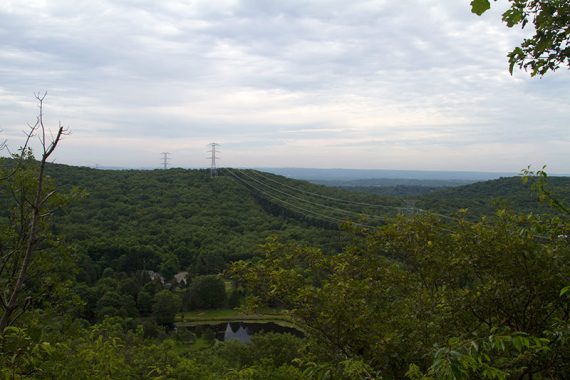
355, 174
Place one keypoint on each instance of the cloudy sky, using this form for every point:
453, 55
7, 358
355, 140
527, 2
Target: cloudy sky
415, 84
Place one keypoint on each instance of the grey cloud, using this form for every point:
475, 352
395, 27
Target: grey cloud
117, 64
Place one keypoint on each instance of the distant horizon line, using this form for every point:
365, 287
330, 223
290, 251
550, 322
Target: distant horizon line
114, 167
157, 167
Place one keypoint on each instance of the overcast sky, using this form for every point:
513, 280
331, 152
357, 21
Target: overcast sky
415, 84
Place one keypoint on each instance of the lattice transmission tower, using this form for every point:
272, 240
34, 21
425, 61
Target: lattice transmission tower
165, 159
213, 158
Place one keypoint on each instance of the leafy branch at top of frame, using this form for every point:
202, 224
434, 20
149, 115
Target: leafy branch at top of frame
549, 47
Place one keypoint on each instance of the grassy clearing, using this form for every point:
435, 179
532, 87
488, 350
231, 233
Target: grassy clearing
199, 344
209, 317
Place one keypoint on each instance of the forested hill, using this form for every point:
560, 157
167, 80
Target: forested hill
484, 198
143, 218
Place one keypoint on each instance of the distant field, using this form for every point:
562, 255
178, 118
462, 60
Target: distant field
205, 317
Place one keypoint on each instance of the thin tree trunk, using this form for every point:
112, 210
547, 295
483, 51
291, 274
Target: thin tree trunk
12, 301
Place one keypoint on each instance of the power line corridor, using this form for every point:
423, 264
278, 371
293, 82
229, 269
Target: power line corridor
318, 206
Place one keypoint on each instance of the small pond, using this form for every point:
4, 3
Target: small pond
242, 331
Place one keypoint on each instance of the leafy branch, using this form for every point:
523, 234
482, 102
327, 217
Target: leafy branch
549, 48
539, 184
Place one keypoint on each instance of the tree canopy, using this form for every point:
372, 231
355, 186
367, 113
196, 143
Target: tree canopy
549, 48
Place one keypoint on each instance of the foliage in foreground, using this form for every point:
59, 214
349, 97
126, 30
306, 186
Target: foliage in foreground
108, 351
418, 299
549, 47
415, 298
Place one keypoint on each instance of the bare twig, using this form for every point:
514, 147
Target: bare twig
3, 143
23, 259
23, 150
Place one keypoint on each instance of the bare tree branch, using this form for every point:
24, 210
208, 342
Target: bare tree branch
23, 257
23, 149
46, 198
3, 143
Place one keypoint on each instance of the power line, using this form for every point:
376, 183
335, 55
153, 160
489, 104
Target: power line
325, 217
324, 196
542, 237
350, 213
317, 204
414, 209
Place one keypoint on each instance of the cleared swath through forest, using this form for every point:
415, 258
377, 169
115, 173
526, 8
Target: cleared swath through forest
303, 202
319, 206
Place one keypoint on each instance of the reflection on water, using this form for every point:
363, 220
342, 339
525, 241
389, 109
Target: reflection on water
240, 334
242, 331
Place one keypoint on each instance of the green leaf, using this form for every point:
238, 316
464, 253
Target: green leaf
480, 6
517, 342
515, 57
513, 16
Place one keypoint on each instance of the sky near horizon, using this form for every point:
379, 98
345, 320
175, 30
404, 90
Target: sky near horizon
417, 84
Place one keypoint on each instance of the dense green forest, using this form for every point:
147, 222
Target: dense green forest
393, 186
484, 198
379, 289
119, 274
186, 213
480, 198
397, 190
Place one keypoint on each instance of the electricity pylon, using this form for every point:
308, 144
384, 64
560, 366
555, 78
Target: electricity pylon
165, 159
213, 158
